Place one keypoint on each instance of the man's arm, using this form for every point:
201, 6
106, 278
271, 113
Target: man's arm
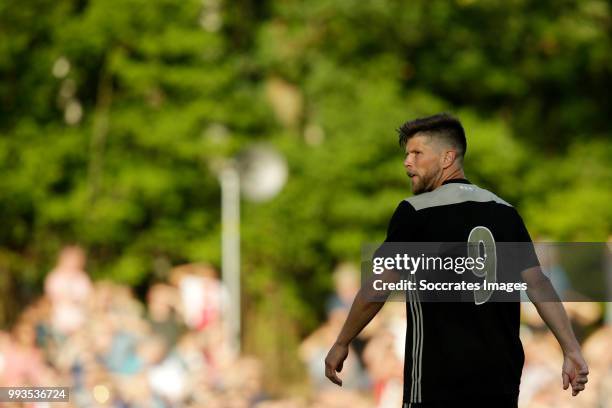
362, 312
366, 305
368, 301
550, 308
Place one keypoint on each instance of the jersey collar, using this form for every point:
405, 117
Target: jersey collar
457, 180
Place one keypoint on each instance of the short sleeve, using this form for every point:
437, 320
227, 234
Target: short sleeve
525, 252
399, 229
401, 224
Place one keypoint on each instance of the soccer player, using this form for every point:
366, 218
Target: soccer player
459, 354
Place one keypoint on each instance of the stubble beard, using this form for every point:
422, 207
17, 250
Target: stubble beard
425, 183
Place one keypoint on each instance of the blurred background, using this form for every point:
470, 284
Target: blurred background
128, 129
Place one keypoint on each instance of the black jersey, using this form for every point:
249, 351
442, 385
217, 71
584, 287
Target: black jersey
460, 351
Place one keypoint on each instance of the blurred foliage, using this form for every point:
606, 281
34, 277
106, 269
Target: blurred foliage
114, 111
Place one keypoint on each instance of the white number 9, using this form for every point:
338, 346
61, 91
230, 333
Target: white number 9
482, 237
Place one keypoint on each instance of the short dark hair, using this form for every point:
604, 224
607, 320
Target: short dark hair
442, 125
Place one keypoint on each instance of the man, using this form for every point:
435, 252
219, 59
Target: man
459, 354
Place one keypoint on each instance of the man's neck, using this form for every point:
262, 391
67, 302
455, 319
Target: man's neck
456, 173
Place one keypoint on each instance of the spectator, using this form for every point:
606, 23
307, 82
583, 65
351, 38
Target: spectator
68, 287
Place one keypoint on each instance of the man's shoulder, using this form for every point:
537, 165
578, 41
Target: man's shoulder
454, 193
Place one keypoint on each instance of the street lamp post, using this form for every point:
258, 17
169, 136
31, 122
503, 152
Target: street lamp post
260, 173
229, 180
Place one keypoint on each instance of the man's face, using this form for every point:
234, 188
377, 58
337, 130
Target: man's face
422, 163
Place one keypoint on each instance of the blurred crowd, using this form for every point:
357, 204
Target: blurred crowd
175, 350
98, 339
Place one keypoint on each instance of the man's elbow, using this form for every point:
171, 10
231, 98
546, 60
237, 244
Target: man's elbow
539, 287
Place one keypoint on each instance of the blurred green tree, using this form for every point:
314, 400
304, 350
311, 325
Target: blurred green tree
113, 112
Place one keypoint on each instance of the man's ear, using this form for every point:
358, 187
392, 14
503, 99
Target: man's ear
449, 158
